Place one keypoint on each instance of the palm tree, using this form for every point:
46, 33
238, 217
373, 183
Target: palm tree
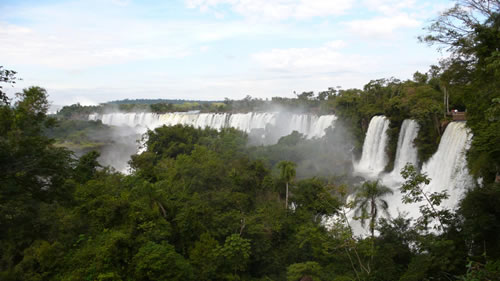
287, 173
369, 199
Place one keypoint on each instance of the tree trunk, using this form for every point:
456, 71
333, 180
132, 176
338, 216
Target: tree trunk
447, 102
372, 221
286, 197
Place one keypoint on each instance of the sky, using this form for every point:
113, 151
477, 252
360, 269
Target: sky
93, 51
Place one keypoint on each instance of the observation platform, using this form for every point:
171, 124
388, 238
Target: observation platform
458, 116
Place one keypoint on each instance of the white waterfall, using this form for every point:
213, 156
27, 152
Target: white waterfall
263, 128
406, 152
373, 158
447, 168
311, 126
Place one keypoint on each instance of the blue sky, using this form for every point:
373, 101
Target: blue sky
92, 51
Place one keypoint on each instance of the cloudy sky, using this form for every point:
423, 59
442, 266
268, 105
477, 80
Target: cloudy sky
99, 50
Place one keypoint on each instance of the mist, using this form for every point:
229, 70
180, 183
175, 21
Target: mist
124, 144
329, 156
319, 144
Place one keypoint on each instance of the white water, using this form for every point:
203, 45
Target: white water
406, 152
263, 128
272, 125
373, 158
447, 168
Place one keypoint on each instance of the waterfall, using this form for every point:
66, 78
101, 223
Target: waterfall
275, 125
373, 158
447, 168
263, 128
406, 152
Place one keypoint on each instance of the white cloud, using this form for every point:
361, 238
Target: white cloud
75, 49
327, 58
64, 45
389, 7
276, 9
75, 36
381, 27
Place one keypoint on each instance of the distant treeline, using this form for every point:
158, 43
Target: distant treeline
305, 102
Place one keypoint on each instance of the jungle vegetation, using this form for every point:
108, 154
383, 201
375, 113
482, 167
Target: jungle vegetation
199, 204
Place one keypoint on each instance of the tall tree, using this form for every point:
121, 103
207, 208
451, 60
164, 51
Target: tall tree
287, 173
34, 173
470, 31
369, 199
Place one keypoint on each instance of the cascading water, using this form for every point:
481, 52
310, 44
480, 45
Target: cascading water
263, 128
406, 152
447, 168
373, 159
282, 124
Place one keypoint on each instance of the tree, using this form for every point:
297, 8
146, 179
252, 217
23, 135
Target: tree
287, 173
34, 173
325, 95
161, 262
480, 210
203, 256
311, 196
305, 96
456, 27
413, 192
471, 31
235, 252
87, 166
9, 77
304, 271
369, 199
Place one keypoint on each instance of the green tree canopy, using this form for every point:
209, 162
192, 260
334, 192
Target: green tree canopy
370, 201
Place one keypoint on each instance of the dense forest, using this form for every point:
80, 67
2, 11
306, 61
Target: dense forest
202, 204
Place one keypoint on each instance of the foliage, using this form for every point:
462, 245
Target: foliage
161, 262
477, 271
199, 204
312, 196
368, 201
33, 174
77, 111
81, 136
9, 77
86, 168
417, 99
413, 192
235, 253
328, 157
481, 221
310, 269
470, 31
